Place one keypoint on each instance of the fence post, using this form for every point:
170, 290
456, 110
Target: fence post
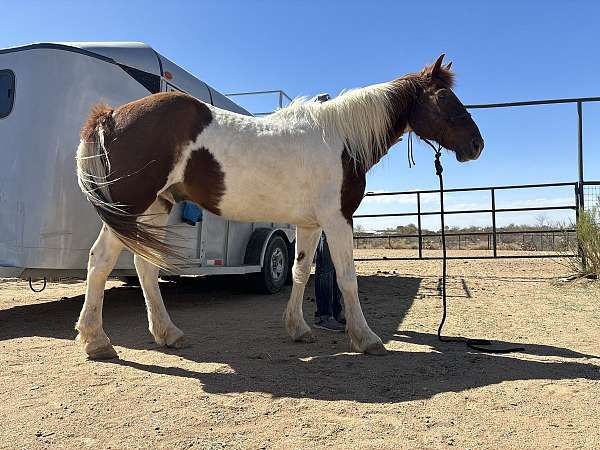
580, 152
541, 241
419, 225
579, 191
494, 238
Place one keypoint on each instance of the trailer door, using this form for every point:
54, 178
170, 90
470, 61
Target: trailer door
7, 92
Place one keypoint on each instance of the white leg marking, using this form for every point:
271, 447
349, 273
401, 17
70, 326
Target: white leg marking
306, 244
339, 238
103, 257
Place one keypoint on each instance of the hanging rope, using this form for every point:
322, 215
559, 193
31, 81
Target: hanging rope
411, 158
475, 344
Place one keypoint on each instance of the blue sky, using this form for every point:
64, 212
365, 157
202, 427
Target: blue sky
502, 51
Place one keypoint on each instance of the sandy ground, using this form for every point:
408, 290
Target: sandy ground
243, 384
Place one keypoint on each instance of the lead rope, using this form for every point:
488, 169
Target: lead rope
411, 158
475, 344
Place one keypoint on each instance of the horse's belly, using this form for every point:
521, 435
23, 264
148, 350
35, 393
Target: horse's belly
275, 206
258, 208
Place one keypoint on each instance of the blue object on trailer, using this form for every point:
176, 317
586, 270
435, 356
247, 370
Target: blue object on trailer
191, 213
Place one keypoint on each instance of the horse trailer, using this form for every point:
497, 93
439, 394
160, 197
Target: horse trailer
46, 225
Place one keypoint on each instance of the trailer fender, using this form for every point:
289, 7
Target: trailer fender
257, 245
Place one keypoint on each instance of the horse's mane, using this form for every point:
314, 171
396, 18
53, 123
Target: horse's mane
362, 119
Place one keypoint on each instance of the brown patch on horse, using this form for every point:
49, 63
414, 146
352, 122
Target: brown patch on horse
204, 181
300, 257
353, 186
99, 115
144, 143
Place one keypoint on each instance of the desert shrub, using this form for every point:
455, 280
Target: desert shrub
588, 243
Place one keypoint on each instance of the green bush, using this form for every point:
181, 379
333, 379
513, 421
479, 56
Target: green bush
588, 242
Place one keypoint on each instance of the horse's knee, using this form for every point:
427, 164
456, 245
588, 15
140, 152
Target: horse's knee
301, 273
99, 263
347, 283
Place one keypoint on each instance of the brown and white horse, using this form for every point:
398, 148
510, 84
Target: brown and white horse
304, 164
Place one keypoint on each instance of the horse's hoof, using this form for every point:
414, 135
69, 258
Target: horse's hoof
376, 349
105, 352
180, 342
307, 337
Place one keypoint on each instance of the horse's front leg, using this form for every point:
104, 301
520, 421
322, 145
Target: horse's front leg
306, 244
340, 239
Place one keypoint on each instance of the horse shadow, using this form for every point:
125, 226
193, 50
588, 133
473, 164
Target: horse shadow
227, 325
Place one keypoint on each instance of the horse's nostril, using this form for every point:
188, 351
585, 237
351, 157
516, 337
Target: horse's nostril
477, 145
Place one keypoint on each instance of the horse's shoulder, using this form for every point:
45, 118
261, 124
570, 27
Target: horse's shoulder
354, 183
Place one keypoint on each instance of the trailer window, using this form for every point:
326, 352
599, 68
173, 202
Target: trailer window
7, 92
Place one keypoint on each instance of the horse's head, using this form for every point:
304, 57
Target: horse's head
439, 115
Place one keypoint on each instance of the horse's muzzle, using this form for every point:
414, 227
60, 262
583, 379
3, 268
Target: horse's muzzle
472, 151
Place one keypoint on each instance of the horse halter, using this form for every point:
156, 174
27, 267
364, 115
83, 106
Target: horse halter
438, 150
452, 119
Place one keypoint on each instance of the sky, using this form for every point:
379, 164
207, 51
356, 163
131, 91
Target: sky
501, 51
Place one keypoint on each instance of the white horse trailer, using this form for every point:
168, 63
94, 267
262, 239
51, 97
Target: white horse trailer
46, 225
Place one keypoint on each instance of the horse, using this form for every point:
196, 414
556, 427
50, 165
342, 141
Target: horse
304, 164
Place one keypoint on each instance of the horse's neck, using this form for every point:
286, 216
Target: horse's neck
390, 122
404, 93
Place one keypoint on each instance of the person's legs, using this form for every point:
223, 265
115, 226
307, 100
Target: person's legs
323, 268
327, 293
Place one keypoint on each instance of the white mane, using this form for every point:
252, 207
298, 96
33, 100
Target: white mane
360, 118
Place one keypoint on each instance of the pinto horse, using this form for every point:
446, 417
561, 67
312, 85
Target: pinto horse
304, 164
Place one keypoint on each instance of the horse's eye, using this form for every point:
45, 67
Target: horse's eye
442, 93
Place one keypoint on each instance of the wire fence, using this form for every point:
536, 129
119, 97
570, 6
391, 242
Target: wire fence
554, 242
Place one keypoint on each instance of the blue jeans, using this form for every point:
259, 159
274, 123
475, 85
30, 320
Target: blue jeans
327, 293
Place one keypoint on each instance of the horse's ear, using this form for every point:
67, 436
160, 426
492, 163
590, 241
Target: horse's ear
439, 74
435, 70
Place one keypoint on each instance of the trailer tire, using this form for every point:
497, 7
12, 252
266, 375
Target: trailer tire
275, 267
289, 280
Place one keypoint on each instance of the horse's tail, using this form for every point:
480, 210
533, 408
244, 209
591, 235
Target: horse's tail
135, 231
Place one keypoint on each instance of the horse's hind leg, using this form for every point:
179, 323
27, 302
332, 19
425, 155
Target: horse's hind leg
159, 322
103, 257
306, 244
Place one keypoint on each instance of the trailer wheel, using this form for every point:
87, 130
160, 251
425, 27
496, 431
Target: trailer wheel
275, 267
291, 256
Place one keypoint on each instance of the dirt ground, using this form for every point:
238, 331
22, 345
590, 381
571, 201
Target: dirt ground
243, 384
